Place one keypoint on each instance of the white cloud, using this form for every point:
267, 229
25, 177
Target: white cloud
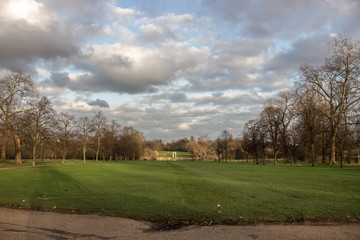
184, 127
186, 67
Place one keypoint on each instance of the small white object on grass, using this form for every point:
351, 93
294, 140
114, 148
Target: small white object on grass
218, 205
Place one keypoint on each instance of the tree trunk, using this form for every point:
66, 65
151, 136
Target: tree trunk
17, 148
64, 153
84, 155
275, 154
3, 149
98, 149
43, 154
312, 154
333, 150
34, 155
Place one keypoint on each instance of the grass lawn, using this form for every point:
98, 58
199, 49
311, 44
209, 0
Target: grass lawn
196, 192
39, 162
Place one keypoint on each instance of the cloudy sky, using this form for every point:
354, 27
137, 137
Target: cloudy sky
169, 68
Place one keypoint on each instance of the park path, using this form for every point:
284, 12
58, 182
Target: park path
34, 225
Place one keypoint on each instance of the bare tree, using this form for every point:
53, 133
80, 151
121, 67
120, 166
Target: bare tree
308, 110
15, 89
85, 127
271, 118
202, 149
66, 123
131, 143
223, 145
252, 138
285, 105
40, 120
337, 82
206, 147
99, 121
110, 136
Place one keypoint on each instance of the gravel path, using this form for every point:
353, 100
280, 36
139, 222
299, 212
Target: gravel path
29, 225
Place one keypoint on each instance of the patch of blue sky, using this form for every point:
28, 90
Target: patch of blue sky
113, 98
158, 7
280, 46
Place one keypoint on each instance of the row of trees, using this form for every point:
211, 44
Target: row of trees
38, 130
318, 117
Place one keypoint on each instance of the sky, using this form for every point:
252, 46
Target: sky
171, 69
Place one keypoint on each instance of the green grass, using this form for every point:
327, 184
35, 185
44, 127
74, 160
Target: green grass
179, 154
189, 191
39, 162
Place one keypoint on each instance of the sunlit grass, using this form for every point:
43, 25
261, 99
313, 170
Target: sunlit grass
188, 191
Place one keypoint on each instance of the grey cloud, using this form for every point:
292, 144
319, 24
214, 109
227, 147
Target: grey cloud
222, 100
100, 103
27, 42
311, 50
152, 34
60, 79
283, 18
175, 97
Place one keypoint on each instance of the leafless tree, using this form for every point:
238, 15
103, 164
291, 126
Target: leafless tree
16, 89
271, 118
40, 121
308, 109
99, 122
336, 82
85, 128
131, 143
202, 149
66, 123
223, 145
251, 138
110, 137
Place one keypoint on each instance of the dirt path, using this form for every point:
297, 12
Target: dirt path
25, 224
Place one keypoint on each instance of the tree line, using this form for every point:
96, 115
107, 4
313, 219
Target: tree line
37, 130
316, 119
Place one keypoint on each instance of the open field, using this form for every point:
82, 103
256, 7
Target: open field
47, 162
193, 192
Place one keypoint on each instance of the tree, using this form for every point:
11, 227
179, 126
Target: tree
285, 105
16, 89
271, 118
39, 120
252, 138
85, 127
202, 149
308, 110
131, 144
336, 82
206, 147
99, 121
223, 142
110, 136
66, 123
